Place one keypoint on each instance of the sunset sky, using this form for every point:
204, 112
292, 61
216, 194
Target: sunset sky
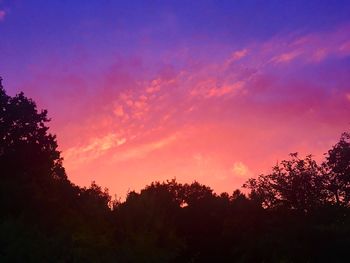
213, 91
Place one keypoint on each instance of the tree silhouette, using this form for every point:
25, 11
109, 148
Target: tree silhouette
297, 184
39, 205
338, 166
31, 166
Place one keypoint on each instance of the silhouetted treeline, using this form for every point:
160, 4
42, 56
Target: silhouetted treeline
297, 213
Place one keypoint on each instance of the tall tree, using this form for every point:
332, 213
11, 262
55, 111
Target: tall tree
338, 167
30, 163
297, 184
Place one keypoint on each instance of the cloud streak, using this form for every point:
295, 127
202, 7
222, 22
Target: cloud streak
141, 151
94, 149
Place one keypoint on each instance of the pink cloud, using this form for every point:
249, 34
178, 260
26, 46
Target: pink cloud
236, 56
2, 15
345, 48
154, 86
286, 57
78, 155
347, 96
224, 90
310, 48
141, 151
119, 111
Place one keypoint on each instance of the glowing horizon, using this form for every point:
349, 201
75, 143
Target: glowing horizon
139, 93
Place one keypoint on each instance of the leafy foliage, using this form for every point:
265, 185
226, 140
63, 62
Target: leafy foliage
297, 184
338, 167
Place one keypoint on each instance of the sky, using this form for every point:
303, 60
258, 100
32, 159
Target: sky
212, 91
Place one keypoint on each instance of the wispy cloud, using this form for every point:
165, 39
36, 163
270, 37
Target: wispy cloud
236, 56
94, 149
310, 48
141, 151
212, 89
286, 57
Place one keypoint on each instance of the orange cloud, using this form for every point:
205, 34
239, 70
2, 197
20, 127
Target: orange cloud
240, 169
119, 111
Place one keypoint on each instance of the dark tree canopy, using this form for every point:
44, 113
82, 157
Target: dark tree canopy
297, 184
338, 168
31, 166
25, 140
304, 185
40, 206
